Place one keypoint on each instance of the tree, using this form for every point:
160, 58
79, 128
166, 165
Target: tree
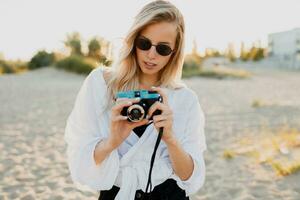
41, 59
195, 47
73, 42
230, 52
211, 52
94, 48
256, 52
1, 56
243, 53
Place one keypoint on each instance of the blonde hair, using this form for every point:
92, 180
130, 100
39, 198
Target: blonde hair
126, 71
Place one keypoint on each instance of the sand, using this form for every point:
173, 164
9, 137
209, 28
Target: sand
35, 106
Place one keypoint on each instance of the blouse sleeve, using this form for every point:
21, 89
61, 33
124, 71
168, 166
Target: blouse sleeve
82, 133
194, 144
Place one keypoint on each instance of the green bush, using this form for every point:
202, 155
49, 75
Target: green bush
192, 61
41, 59
12, 66
76, 63
257, 54
192, 65
191, 70
6, 67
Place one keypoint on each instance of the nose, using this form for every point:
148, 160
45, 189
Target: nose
152, 52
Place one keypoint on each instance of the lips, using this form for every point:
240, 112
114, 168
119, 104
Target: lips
149, 64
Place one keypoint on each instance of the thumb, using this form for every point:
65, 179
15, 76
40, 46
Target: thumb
140, 123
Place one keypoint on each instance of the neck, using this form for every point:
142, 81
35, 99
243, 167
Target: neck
146, 81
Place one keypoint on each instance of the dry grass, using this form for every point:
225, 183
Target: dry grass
225, 72
219, 72
279, 149
286, 168
258, 103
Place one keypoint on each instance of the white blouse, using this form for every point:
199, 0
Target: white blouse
127, 166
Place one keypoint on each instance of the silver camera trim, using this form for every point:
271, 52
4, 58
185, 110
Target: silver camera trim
136, 106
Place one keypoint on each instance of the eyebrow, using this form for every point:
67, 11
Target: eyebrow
158, 42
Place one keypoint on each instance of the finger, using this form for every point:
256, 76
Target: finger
162, 93
158, 118
140, 123
119, 118
121, 103
118, 107
134, 100
156, 106
122, 99
160, 124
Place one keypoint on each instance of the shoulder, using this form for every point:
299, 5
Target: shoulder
95, 82
185, 94
101, 73
183, 99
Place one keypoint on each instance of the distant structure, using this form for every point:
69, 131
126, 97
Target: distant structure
284, 48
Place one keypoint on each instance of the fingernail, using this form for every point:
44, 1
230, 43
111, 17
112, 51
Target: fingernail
147, 116
153, 87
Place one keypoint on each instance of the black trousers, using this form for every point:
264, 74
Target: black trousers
168, 190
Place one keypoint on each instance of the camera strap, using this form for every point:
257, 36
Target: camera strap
149, 183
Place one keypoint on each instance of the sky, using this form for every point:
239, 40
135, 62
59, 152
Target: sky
32, 25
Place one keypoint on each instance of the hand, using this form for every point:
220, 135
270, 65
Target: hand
165, 119
120, 127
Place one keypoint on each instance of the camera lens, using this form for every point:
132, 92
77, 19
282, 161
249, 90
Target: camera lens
135, 113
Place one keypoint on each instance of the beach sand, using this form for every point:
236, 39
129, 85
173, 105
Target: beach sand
36, 104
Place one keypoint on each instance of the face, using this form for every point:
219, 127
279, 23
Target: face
151, 61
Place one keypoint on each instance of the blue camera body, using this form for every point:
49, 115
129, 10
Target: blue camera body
138, 111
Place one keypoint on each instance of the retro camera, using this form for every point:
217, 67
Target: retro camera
138, 111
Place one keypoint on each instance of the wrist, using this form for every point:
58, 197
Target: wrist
110, 145
104, 146
171, 141
102, 150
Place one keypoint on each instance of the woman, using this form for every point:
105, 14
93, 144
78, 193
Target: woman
111, 154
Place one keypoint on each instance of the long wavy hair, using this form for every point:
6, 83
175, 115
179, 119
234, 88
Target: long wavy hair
125, 71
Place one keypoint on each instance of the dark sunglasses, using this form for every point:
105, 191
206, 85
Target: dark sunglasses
145, 44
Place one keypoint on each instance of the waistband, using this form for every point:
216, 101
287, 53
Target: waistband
167, 190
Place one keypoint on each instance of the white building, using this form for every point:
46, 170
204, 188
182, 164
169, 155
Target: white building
284, 48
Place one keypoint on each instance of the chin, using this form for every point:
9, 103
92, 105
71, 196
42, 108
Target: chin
149, 72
